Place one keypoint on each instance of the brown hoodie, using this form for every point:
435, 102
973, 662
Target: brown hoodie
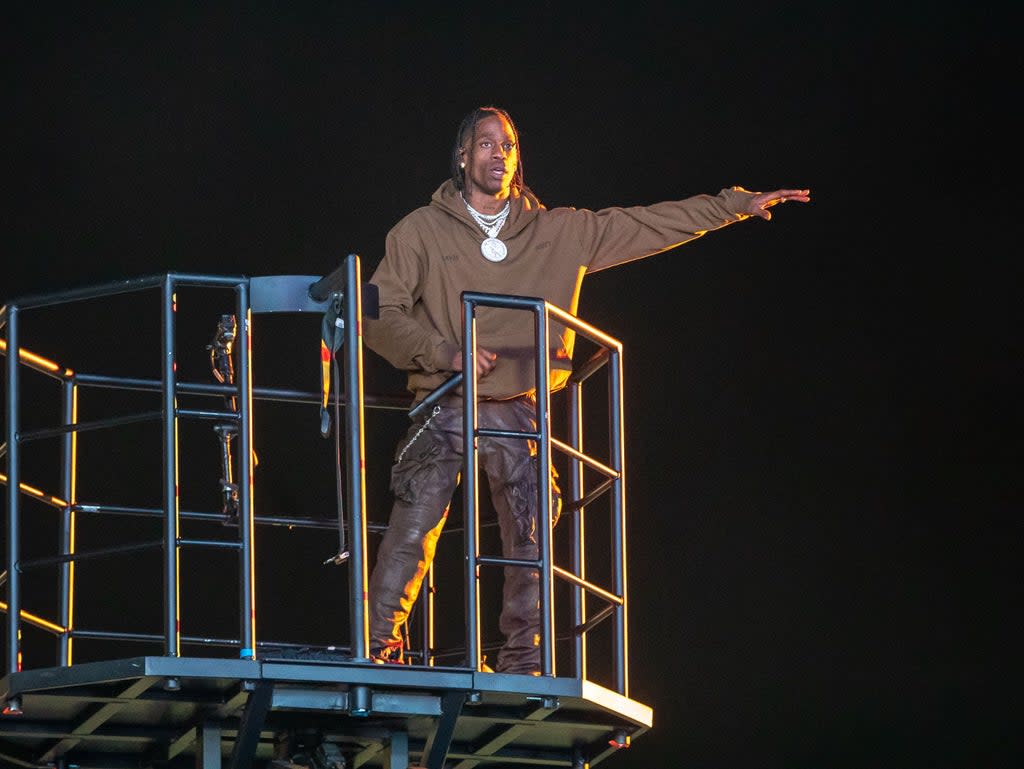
433, 255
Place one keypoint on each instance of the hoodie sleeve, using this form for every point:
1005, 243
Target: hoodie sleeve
396, 335
617, 235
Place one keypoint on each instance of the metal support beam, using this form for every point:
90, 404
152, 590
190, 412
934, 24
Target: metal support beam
96, 716
253, 718
208, 746
12, 755
436, 749
501, 735
396, 754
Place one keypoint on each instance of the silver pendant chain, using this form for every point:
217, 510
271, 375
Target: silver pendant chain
492, 249
434, 413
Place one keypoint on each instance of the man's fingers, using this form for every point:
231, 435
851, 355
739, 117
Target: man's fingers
485, 362
767, 200
801, 195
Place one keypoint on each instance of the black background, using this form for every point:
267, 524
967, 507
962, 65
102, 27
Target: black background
824, 410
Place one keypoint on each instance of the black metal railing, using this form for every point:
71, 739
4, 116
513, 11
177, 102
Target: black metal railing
611, 354
267, 291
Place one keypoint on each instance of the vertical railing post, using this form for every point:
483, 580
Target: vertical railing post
246, 503
13, 493
69, 481
172, 608
544, 538
427, 616
579, 565
354, 432
621, 641
469, 484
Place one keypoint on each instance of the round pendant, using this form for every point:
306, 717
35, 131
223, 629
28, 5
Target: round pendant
493, 250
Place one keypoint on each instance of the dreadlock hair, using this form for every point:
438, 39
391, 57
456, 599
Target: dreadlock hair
467, 130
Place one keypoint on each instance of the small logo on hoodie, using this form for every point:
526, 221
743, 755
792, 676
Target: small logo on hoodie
450, 257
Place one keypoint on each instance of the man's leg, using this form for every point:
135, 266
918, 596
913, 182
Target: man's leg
511, 466
422, 480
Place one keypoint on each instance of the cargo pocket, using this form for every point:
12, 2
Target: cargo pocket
417, 467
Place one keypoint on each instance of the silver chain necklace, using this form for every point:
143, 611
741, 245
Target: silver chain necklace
492, 249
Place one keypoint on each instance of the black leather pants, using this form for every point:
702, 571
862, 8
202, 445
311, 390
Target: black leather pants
423, 480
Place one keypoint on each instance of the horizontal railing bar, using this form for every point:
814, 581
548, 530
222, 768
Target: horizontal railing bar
117, 635
590, 587
532, 303
490, 560
89, 292
201, 414
512, 302
584, 458
593, 333
459, 651
396, 402
126, 286
84, 554
299, 523
84, 379
81, 427
488, 433
210, 543
591, 495
141, 383
107, 635
201, 280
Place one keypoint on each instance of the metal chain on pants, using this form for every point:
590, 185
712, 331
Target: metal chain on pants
434, 413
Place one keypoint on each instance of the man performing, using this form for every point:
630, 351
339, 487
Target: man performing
485, 231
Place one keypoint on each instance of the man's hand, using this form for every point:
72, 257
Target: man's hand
759, 204
485, 361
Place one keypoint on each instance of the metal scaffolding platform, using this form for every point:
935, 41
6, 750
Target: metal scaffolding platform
181, 712
287, 704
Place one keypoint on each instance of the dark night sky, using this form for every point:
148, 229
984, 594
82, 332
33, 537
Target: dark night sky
824, 410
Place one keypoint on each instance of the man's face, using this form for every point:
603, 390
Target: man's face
491, 157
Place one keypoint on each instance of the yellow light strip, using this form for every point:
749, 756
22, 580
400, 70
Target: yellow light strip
72, 523
34, 492
36, 620
28, 356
